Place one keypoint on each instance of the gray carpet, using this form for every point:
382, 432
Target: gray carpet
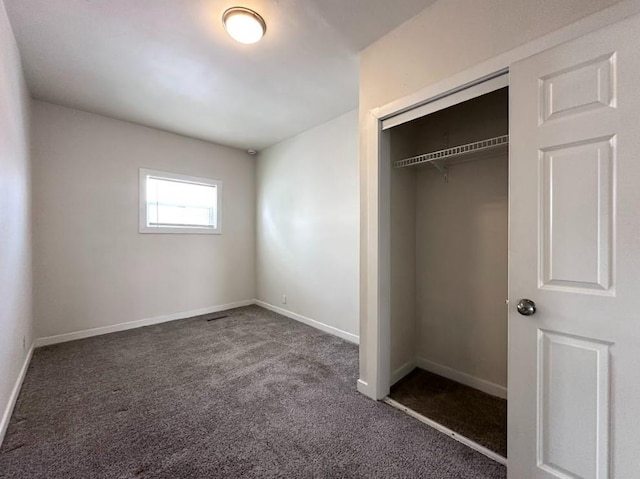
465, 410
251, 395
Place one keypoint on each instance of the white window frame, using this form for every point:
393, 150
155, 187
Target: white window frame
143, 225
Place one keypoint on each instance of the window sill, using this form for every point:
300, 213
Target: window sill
188, 231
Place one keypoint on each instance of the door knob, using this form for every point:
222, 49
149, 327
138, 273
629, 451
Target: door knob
526, 307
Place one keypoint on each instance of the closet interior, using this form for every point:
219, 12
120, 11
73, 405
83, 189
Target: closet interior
448, 246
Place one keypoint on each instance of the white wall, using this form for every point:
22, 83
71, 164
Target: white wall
403, 255
446, 38
15, 220
308, 223
91, 266
462, 270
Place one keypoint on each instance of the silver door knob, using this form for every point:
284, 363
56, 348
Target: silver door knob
526, 307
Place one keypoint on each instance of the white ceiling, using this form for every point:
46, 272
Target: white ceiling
170, 64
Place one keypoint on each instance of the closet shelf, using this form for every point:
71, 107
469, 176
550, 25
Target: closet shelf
467, 151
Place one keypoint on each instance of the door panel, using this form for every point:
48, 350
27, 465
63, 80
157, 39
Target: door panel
576, 216
578, 88
574, 366
573, 395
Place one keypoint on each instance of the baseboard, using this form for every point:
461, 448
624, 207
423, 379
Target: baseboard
464, 378
402, 371
310, 322
363, 388
8, 411
87, 333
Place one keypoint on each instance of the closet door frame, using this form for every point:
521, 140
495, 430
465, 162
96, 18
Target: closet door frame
375, 283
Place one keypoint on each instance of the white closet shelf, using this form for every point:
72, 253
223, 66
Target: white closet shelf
468, 152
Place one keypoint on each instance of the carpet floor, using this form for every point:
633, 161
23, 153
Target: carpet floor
473, 414
250, 395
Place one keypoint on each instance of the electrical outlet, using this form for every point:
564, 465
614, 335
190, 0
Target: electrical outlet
284, 299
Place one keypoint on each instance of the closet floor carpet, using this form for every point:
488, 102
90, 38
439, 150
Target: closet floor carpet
250, 395
474, 414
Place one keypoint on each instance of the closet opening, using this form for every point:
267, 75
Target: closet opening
449, 198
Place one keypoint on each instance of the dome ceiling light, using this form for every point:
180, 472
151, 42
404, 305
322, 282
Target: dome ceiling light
244, 25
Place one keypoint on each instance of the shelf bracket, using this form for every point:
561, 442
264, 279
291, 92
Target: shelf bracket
442, 169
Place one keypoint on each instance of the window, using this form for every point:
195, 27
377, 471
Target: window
172, 203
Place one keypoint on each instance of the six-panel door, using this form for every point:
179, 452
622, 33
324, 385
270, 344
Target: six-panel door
574, 366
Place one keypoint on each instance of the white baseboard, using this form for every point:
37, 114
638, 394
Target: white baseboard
464, 378
310, 322
8, 410
402, 371
87, 333
363, 388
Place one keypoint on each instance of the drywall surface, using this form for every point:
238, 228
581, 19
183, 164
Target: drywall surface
403, 256
461, 264
308, 223
445, 38
15, 220
92, 267
452, 35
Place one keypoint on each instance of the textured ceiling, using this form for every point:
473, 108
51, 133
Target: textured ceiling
170, 64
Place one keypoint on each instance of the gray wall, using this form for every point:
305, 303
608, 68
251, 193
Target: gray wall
15, 220
92, 267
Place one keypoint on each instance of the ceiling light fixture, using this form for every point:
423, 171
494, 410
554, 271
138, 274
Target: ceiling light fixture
244, 25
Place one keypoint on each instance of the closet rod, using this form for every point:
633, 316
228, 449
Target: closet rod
468, 149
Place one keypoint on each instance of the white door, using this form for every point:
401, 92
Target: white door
574, 365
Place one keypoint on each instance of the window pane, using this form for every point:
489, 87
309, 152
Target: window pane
177, 203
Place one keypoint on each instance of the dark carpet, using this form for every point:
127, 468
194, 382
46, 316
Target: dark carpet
465, 410
250, 395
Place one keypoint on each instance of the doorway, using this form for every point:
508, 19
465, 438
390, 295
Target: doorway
448, 263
